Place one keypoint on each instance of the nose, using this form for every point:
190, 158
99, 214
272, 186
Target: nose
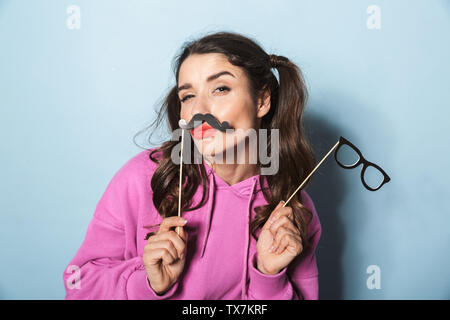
202, 105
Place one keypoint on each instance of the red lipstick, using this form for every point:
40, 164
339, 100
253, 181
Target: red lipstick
203, 131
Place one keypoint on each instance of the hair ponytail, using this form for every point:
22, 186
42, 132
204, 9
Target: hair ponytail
297, 160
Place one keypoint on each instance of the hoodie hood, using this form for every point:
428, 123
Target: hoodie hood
247, 188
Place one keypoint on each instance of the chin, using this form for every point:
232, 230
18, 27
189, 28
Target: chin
207, 147
211, 148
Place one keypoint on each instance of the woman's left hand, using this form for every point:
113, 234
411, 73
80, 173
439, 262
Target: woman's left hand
280, 234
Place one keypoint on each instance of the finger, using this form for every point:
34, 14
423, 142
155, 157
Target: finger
280, 212
171, 222
291, 242
284, 211
183, 234
176, 241
268, 222
282, 244
165, 244
167, 256
184, 237
277, 238
157, 236
283, 221
155, 256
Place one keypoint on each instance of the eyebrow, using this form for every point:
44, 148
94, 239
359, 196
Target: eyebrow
209, 79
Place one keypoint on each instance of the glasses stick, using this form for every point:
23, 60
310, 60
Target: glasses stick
181, 174
311, 173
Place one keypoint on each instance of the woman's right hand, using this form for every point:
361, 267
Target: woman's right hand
165, 255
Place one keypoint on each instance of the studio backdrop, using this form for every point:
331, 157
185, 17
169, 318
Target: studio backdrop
79, 79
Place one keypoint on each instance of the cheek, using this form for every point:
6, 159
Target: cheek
244, 119
248, 119
240, 113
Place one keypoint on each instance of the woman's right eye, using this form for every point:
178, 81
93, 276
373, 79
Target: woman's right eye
186, 97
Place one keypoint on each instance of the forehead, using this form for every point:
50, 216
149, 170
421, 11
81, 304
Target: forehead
197, 67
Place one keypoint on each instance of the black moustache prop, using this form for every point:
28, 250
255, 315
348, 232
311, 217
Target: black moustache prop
209, 118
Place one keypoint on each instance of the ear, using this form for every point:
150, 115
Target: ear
263, 105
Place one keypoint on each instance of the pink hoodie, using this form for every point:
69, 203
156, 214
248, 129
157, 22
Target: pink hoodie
221, 255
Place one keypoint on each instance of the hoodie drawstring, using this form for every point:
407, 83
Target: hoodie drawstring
244, 295
209, 210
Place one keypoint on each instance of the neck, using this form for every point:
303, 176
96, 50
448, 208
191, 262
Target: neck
234, 173
239, 169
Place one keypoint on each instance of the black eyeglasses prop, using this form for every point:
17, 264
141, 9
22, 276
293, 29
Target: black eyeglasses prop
345, 155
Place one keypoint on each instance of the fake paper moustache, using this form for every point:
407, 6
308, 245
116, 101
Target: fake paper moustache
198, 118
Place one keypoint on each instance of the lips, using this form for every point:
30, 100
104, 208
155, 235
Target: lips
203, 131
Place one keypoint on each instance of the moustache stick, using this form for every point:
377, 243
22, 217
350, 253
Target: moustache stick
311, 173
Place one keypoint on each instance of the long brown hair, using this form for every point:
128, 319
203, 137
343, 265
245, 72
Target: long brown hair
287, 103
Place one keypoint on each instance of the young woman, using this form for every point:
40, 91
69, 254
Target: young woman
229, 248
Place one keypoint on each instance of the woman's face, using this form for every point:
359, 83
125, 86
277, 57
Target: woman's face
226, 97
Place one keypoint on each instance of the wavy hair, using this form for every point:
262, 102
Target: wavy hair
287, 97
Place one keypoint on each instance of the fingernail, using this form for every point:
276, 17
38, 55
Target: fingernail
271, 249
182, 256
183, 220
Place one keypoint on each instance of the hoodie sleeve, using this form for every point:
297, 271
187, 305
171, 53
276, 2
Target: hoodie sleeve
297, 281
107, 266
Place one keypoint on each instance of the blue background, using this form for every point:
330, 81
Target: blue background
72, 100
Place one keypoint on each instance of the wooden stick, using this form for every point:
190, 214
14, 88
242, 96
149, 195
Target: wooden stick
311, 173
181, 174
